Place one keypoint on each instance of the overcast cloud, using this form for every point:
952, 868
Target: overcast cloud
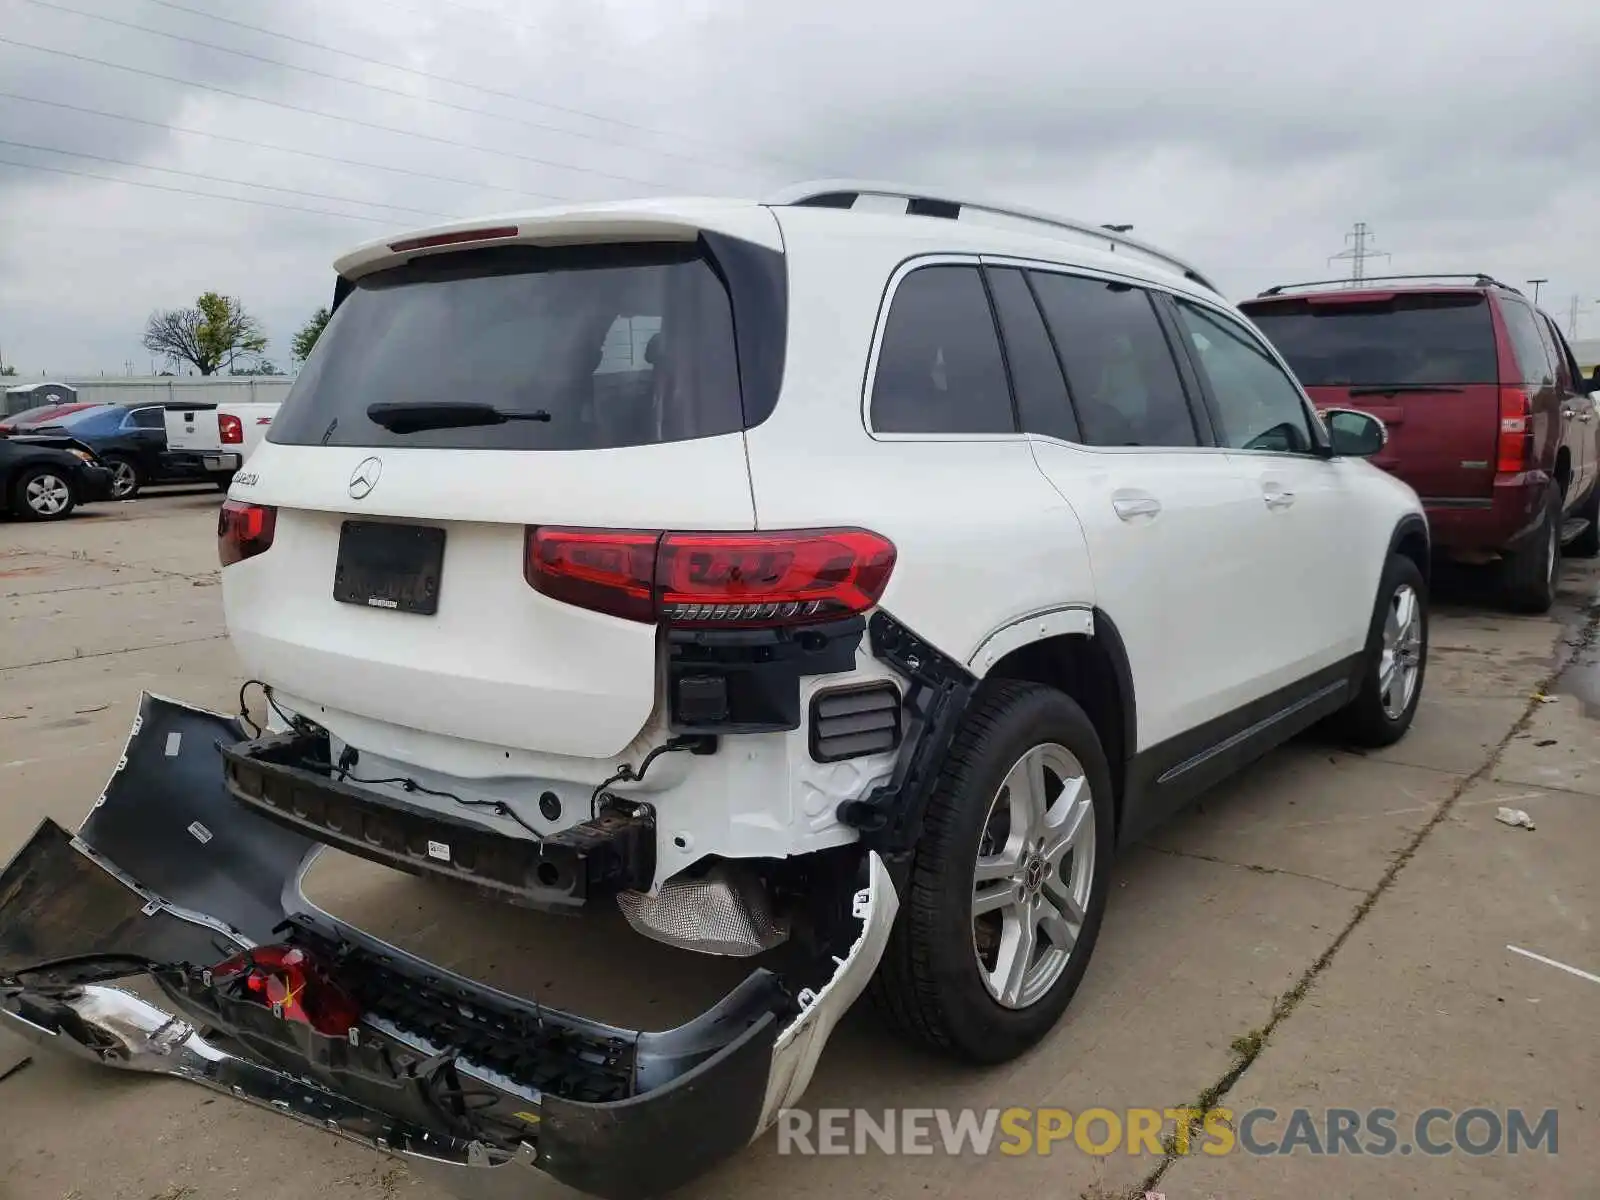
1247, 137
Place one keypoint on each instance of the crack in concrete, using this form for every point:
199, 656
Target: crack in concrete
1287, 1003
46, 662
112, 564
1257, 868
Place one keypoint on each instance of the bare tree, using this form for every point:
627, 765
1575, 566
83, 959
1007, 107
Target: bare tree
214, 335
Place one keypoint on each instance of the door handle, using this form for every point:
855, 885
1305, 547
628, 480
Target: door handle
1569, 413
1135, 504
1276, 497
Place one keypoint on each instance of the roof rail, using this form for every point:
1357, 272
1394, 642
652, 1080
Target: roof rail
1479, 279
926, 202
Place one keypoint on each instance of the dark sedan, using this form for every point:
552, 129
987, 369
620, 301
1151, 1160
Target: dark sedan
132, 440
45, 478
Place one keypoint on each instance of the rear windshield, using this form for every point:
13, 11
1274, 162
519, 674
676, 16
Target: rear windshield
620, 346
1408, 339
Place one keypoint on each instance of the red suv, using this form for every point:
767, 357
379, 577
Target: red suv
1489, 415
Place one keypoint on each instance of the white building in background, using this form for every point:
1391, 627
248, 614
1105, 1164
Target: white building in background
135, 389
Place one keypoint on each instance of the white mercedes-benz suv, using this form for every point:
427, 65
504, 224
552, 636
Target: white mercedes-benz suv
844, 576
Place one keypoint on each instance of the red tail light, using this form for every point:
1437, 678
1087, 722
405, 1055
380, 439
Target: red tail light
712, 580
293, 984
1516, 432
231, 429
244, 530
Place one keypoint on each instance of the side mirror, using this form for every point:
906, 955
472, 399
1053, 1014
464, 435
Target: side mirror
1354, 434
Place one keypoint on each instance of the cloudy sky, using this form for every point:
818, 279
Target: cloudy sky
1248, 136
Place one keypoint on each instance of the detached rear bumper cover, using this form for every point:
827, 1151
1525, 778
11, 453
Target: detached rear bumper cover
169, 875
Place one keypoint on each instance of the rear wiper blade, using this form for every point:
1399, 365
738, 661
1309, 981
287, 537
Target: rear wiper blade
416, 416
1395, 389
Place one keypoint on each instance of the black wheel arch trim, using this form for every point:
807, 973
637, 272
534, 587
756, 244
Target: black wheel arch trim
1409, 525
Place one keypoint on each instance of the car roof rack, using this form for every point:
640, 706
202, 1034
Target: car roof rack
1478, 278
926, 202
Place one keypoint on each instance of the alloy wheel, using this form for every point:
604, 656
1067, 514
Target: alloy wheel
48, 495
123, 479
1035, 869
1401, 663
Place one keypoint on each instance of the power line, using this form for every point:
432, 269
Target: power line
239, 141
270, 187
1358, 252
476, 87
300, 108
360, 83
161, 187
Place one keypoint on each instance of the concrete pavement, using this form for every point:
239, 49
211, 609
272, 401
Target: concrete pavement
1326, 930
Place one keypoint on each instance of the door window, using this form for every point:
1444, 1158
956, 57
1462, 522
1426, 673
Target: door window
1124, 383
145, 418
939, 369
1259, 405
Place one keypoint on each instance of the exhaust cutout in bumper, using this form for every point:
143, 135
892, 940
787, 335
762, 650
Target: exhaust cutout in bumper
271, 1000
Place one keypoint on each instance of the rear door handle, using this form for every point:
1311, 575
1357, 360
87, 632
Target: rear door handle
1275, 496
1131, 504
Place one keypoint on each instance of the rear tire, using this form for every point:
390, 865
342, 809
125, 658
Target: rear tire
223, 482
1530, 572
125, 478
1396, 658
1587, 543
43, 494
944, 980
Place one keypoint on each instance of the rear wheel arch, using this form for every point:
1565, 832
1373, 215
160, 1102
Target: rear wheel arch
1093, 670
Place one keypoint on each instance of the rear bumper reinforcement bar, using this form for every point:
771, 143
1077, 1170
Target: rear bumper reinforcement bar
612, 852
169, 875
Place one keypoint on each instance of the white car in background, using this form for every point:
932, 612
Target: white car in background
221, 436
840, 579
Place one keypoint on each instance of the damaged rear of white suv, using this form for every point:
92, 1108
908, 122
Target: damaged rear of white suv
699, 558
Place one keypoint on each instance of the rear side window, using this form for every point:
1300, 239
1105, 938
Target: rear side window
619, 345
1035, 371
1124, 383
939, 368
147, 418
1554, 349
1533, 356
1422, 339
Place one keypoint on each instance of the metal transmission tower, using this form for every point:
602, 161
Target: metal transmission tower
1574, 309
1359, 250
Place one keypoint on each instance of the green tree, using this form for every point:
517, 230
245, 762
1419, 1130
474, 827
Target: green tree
306, 340
217, 334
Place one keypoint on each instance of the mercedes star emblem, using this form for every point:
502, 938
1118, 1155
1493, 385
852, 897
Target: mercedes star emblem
365, 478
